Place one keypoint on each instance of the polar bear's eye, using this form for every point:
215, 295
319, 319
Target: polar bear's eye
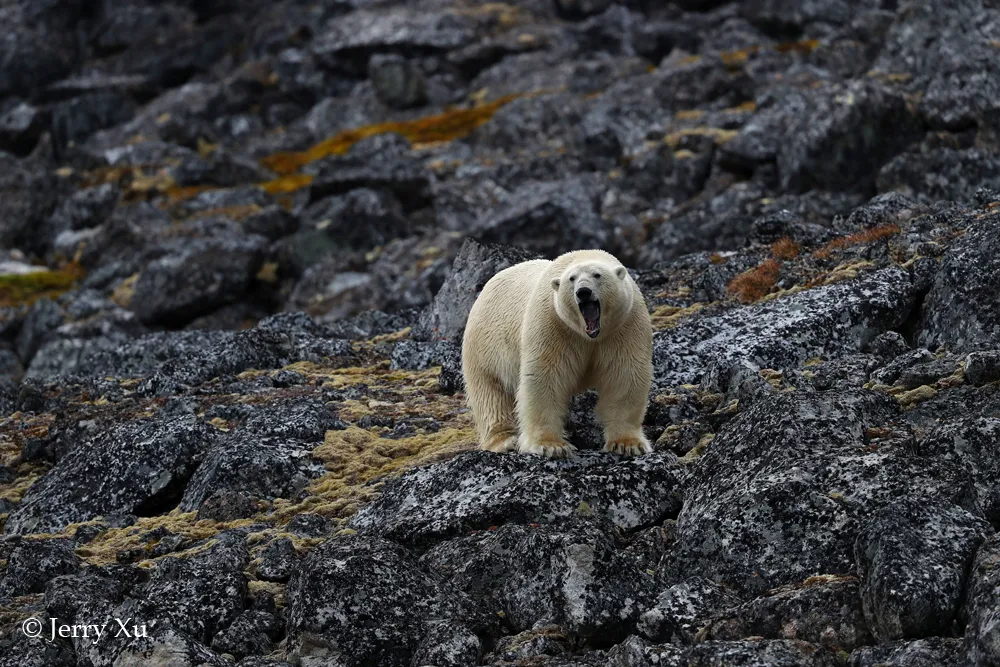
572, 278
597, 276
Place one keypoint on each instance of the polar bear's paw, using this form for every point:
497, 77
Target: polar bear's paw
501, 442
549, 445
628, 444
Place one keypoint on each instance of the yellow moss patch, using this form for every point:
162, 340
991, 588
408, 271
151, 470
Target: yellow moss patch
26, 473
447, 126
914, 396
276, 590
125, 290
666, 317
843, 272
719, 135
356, 458
104, 548
698, 449
689, 114
25, 288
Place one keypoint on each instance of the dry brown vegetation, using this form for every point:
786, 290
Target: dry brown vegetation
753, 284
785, 248
860, 238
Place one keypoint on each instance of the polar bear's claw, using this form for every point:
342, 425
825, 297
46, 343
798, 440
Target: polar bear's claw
501, 442
629, 445
549, 446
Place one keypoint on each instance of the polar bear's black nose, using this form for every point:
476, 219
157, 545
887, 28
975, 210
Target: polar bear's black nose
584, 293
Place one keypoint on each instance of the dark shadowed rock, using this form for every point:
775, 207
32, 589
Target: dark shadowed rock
822, 610
266, 455
480, 489
351, 584
982, 367
941, 174
982, 607
253, 632
912, 557
475, 264
139, 467
568, 573
190, 277
549, 218
397, 81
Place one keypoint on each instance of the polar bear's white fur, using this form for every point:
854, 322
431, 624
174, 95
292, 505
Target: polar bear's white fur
535, 338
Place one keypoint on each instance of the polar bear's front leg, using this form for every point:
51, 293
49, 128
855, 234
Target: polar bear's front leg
543, 396
621, 407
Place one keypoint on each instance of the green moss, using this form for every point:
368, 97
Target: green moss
25, 288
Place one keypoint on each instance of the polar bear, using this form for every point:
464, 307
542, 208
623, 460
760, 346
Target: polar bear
542, 331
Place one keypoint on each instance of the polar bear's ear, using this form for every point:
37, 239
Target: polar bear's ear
621, 272
555, 284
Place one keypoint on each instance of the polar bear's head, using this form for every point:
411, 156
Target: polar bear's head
593, 295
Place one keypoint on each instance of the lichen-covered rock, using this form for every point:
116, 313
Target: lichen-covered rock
549, 218
569, 573
448, 645
982, 607
276, 341
139, 467
932, 652
913, 557
781, 492
277, 560
265, 454
770, 652
982, 367
480, 489
683, 609
955, 314
540, 640
198, 595
167, 643
32, 563
820, 322
475, 264
970, 442
253, 632
821, 610
350, 585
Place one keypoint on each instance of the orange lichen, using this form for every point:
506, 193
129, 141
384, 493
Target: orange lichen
286, 184
446, 126
753, 284
860, 238
801, 46
785, 248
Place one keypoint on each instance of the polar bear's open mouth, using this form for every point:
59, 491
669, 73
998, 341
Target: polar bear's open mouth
591, 311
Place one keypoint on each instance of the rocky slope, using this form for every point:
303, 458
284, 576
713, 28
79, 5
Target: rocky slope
240, 240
